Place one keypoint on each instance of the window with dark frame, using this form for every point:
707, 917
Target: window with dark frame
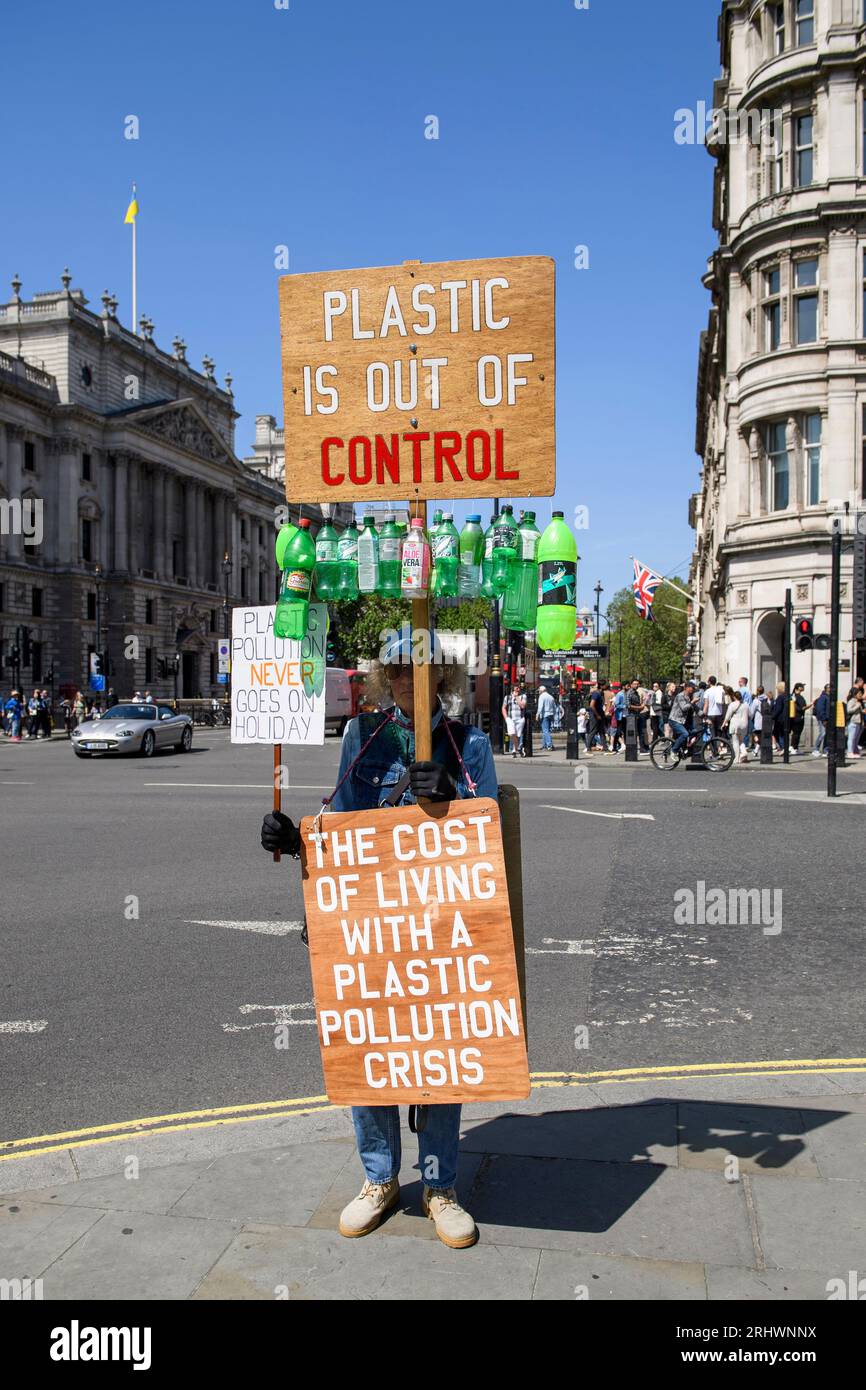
804, 19
91, 607
29, 456
778, 472
85, 468
812, 452
772, 309
804, 151
86, 538
806, 301
149, 610
777, 18
36, 602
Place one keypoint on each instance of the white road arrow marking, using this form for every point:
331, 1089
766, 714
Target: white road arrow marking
606, 815
265, 928
282, 1013
25, 1025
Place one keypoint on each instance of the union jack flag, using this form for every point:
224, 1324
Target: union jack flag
646, 581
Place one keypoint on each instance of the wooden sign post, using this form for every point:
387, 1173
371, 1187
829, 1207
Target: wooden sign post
414, 974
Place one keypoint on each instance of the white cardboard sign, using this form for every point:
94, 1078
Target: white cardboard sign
278, 686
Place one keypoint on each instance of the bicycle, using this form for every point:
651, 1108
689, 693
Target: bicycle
717, 753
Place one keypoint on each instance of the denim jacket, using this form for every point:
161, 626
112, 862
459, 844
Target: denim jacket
392, 751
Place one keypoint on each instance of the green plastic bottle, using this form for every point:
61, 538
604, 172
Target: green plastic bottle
505, 536
347, 551
368, 557
445, 553
521, 596
487, 588
390, 545
290, 619
281, 545
557, 587
432, 534
471, 555
327, 562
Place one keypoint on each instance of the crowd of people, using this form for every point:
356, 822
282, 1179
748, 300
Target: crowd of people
35, 716
734, 712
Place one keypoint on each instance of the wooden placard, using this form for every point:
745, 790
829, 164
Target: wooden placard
429, 380
414, 976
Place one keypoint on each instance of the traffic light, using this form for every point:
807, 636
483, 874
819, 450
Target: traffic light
23, 642
805, 635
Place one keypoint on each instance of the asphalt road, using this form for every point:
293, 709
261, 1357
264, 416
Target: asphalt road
110, 867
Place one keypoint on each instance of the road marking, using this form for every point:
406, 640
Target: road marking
307, 1105
25, 1025
606, 815
842, 799
242, 786
572, 948
15, 784
266, 928
282, 1013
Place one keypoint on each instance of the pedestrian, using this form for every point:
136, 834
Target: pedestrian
714, 704
618, 720
756, 711
68, 715
635, 709
596, 722
798, 717
736, 721
821, 711
581, 727
670, 691
777, 712
45, 712
656, 710
14, 710
544, 715
79, 708
513, 712
33, 715
378, 754
854, 719
148, 698
112, 698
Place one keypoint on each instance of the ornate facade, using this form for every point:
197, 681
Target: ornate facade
127, 453
782, 366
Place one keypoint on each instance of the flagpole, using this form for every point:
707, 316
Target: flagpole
675, 584
134, 286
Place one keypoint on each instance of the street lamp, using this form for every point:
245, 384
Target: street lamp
598, 591
227, 574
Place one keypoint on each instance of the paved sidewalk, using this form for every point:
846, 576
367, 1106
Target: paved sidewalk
605, 1191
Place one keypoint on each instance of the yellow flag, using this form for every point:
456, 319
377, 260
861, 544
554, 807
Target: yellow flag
132, 210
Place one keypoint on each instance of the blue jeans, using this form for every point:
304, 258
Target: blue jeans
377, 1131
546, 740
682, 735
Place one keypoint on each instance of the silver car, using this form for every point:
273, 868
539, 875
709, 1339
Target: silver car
133, 729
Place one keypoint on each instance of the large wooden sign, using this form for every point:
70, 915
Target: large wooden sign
420, 380
415, 981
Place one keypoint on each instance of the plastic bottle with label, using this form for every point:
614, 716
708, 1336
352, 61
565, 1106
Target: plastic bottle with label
505, 537
471, 555
557, 587
327, 562
347, 551
290, 619
368, 557
521, 596
445, 551
390, 545
415, 561
487, 588
281, 545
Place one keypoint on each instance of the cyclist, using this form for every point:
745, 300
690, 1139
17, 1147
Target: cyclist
681, 716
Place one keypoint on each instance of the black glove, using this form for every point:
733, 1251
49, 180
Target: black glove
432, 782
279, 833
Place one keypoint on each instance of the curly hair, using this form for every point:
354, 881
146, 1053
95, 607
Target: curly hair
450, 682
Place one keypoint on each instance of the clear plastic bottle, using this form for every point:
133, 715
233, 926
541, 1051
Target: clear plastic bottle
415, 561
557, 587
390, 545
290, 619
368, 557
347, 550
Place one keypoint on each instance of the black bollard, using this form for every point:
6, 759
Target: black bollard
572, 742
631, 738
766, 738
696, 757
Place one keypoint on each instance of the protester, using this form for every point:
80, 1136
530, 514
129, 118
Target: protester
544, 715
377, 753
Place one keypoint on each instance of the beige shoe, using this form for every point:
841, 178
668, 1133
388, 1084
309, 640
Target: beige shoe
369, 1208
454, 1226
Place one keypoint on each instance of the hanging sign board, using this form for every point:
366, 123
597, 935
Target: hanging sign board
427, 380
412, 955
278, 686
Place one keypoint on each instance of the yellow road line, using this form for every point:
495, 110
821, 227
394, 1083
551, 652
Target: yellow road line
308, 1105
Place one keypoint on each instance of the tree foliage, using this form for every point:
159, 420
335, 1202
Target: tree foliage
651, 651
357, 627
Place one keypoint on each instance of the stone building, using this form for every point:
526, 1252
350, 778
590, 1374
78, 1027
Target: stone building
782, 365
126, 453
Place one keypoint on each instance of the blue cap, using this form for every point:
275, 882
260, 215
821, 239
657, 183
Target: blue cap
476, 516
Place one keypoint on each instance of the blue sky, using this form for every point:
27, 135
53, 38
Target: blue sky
305, 127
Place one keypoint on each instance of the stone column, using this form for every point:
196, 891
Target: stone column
121, 503
203, 540
133, 517
219, 533
14, 542
69, 526
159, 557
189, 531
